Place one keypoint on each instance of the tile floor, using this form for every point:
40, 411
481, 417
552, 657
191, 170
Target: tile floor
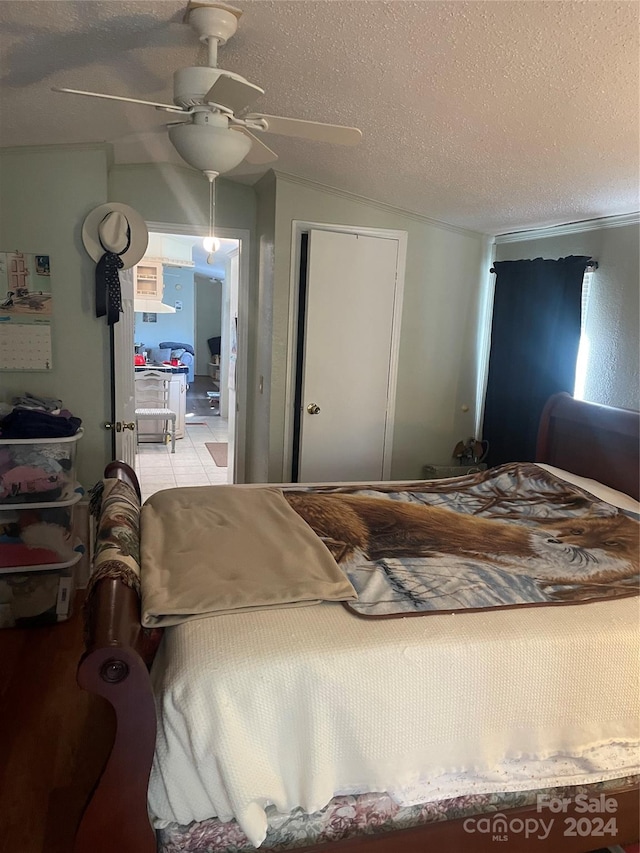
191, 465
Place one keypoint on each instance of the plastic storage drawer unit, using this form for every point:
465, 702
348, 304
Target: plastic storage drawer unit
38, 558
37, 469
36, 597
33, 534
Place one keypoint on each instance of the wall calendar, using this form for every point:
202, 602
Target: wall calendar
25, 311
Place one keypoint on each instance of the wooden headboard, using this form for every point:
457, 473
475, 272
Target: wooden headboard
599, 442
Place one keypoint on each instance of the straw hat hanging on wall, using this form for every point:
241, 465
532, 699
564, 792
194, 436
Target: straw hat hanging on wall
116, 237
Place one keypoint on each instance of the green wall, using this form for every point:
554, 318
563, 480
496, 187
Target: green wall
180, 196
438, 361
45, 193
261, 336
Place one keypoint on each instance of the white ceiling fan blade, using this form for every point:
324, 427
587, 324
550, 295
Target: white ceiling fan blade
315, 130
236, 95
139, 135
169, 107
259, 153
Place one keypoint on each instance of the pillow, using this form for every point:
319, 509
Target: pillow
160, 354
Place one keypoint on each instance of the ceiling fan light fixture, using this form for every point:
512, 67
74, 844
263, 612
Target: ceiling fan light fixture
209, 148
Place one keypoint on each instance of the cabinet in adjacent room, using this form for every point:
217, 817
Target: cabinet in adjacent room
148, 279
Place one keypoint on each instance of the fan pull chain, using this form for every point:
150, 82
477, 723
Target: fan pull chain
211, 244
212, 206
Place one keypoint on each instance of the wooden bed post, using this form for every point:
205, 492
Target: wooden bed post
115, 666
115, 817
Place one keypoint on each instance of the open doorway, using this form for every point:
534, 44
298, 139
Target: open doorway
186, 308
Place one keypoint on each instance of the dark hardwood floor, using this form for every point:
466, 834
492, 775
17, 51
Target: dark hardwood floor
54, 737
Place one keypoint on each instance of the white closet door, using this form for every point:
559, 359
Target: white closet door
347, 363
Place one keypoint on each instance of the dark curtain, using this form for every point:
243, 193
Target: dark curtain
535, 335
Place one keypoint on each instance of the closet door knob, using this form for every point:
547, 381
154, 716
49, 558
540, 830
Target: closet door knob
313, 409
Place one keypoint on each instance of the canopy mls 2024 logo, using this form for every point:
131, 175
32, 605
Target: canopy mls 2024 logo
590, 817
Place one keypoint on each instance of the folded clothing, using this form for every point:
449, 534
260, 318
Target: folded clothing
45, 404
35, 423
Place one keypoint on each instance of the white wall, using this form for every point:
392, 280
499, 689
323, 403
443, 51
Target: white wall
613, 318
438, 350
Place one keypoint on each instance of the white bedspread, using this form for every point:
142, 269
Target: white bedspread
294, 706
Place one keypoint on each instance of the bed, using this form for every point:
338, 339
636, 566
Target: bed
247, 655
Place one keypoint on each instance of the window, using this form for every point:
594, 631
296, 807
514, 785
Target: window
583, 349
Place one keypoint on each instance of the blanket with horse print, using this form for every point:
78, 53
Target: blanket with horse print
510, 536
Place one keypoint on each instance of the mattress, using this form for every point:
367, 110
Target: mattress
287, 708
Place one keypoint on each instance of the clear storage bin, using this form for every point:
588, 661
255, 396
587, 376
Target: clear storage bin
37, 470
34, 534
42, 595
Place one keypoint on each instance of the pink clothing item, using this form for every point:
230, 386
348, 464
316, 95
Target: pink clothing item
24, 479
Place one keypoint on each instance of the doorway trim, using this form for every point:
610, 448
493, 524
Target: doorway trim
243, 237
298, 228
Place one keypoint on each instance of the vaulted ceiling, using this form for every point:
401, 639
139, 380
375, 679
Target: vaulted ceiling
493, 116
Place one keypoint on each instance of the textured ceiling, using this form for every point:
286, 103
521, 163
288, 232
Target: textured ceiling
493, 116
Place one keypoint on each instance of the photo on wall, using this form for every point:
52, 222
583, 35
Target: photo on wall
25, 284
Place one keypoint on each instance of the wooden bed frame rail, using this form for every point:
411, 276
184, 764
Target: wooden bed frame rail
592, 441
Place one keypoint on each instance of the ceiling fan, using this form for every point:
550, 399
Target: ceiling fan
219, 133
